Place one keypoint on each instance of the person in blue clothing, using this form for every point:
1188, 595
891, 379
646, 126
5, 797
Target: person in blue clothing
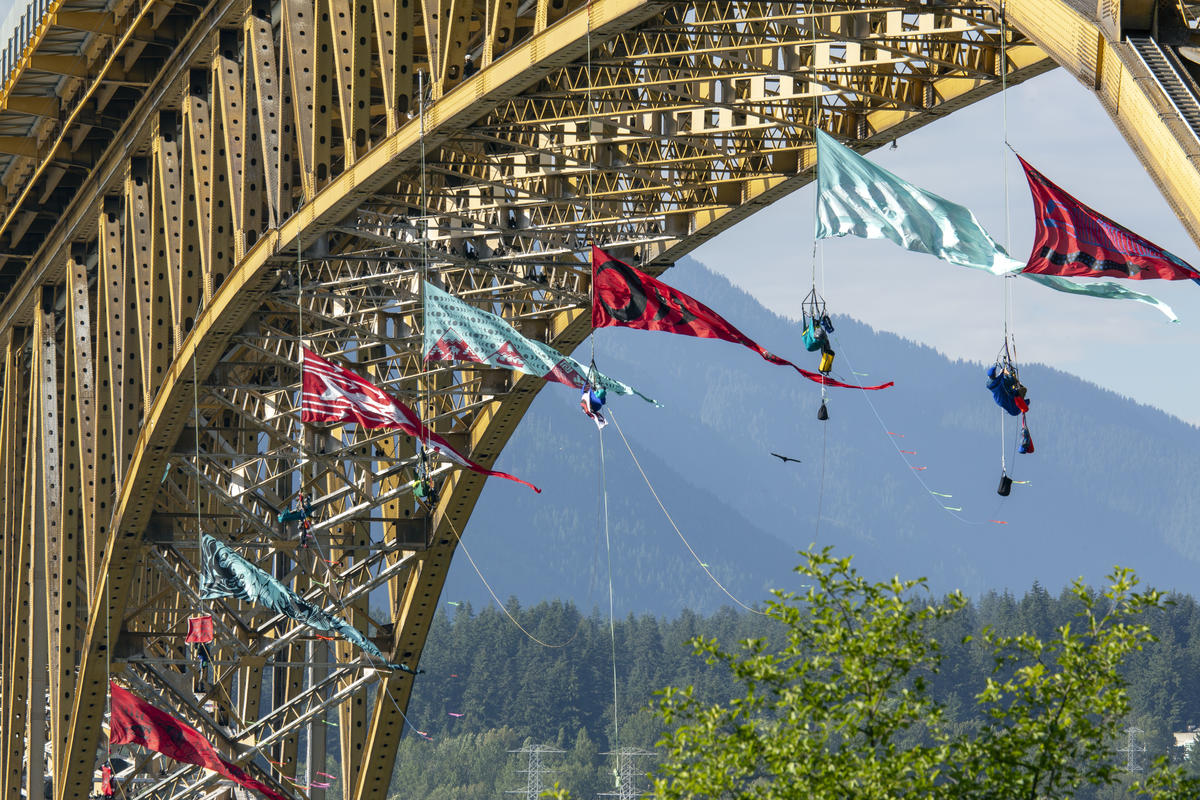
1006, 389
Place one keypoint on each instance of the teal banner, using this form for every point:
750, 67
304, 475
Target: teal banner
458, 331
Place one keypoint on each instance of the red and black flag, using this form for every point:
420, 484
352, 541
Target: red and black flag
1073, 240
134, 721
626, 297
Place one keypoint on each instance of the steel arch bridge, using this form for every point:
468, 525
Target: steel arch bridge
191, 188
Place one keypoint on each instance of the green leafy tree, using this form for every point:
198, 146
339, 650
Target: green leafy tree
843, 707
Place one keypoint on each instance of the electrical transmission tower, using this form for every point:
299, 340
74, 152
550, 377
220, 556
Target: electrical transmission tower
1134, 747
534, 786
627, 772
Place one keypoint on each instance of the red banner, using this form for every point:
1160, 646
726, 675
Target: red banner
200, 630
134, 721
626, 297
1074, 240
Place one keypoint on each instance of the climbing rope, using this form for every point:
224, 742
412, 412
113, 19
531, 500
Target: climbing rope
612, 629
499, 604
671, 520
929, 492
821, 485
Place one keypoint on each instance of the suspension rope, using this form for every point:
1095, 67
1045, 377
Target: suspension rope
671, 520
930, 493
492, 592
427, 399
1007, 283
612, 629
591, 171
821, 485
199, 517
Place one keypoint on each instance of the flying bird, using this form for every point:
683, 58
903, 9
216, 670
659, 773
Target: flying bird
785, 459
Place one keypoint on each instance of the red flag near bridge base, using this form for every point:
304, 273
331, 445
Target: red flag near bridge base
134, 721
1074, 240
626, 297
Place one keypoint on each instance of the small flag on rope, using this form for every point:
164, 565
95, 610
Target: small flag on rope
999, 522
333, 394
901, 435
909, 452
454, 714
327, 775
940, 494
952, 508
920, 469
200, 630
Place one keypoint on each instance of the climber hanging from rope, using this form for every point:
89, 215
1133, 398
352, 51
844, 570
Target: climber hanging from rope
302, 513
593, 398
424, 486
1004, 382
817, 326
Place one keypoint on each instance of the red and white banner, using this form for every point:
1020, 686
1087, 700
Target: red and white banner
333, 395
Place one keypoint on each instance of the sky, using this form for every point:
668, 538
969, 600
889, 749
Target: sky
1057, 125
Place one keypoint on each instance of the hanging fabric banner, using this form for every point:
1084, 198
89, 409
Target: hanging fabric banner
134, 721
626, 297
1074, 240
200, 630
224, 573
856, 197
334, 395
457, 331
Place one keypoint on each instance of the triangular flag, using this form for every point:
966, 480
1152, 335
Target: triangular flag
857, 197
629, 298
134, 721
224, 573
333, 395
1075, 240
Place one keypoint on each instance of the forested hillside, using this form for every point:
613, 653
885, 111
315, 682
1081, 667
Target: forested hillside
510, 690
1108, 483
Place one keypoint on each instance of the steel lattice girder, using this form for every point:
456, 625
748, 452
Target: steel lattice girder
155, 300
